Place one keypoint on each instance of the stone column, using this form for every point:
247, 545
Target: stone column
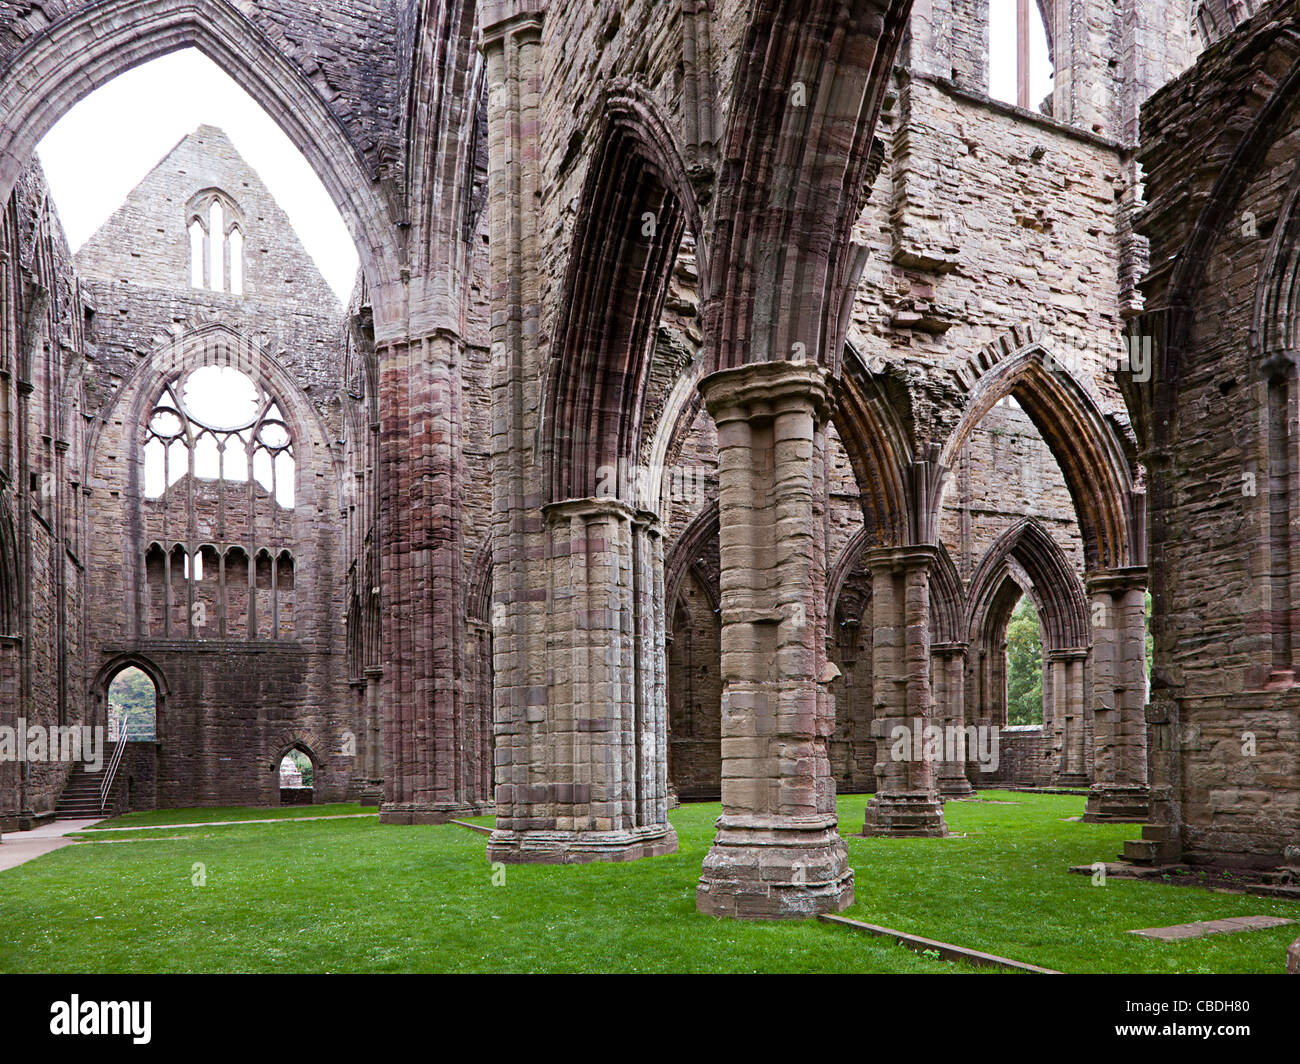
372, 760
427, 778
1066, 669
949, 679
478, 700
777, 852
603, 794
907, 801
1119, 791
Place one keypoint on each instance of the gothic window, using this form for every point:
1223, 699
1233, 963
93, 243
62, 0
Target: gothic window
218, 495
215, 423
216, 228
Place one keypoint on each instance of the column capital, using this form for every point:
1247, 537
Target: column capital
1117, 581
1069, 654
500, 18
600, 506
766, 389
916, 556
949, 650
649, 522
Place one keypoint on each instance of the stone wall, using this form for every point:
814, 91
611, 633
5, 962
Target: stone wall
1217, 422
42, 536
250, 668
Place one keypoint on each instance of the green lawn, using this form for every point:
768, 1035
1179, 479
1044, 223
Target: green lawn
352, 895
230, 812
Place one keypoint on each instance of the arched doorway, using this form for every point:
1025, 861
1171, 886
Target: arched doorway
132, 707
297, 778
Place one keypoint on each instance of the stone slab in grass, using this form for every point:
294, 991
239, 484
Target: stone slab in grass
1211, 927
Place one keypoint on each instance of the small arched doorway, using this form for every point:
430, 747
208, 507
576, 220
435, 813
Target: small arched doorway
132, 706
296, 773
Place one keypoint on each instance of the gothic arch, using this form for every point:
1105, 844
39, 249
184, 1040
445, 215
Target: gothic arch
107, 673
947, 602
810, 78
192, 348
1154, 403
634, 209
77, 54
445, 134
1054, 585
695, 538
1095, 461
478, 588
303, 747
874, 436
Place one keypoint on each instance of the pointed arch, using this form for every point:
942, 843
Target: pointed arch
108, 672
635, 207
1097, 462
873, 434
696, 539
1027, 552
947, 606
478, 588
809, 84
77, 54
303, 747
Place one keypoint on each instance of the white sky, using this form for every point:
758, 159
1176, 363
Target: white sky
101, 149
1002, 53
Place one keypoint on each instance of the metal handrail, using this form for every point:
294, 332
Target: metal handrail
113, 764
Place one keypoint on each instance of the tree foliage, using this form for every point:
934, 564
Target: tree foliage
1024, 665
132, 697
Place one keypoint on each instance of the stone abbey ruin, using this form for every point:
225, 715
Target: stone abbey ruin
718, 379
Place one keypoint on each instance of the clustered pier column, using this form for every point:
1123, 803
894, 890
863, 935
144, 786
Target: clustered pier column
603, 791
778, 852
907, 801
430, 769
1065, 670
949, 681
1120, 790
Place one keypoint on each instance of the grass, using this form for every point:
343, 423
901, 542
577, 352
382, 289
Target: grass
352, 895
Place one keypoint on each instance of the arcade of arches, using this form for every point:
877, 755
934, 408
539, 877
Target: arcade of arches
718, 379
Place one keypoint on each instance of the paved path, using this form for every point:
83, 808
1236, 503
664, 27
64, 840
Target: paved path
19, 847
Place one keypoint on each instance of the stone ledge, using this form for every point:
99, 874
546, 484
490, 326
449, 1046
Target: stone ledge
580, 847
945, 950
1200, 928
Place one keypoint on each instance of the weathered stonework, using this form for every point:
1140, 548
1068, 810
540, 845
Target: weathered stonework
873, 313
1215, 421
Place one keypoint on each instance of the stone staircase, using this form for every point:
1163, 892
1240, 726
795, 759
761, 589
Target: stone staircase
80, 798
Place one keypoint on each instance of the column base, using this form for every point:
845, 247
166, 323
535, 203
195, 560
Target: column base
1071, 779
956, 787
775, 868
536, 846
430, 812
1293, 958
372, 793
1118, 803
905, 816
